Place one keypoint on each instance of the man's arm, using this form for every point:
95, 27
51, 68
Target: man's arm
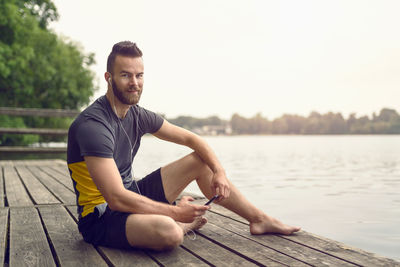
173, 133
105, 175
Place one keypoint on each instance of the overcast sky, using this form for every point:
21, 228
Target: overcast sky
220, 57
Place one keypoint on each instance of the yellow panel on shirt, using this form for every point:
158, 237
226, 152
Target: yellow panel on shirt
88, 194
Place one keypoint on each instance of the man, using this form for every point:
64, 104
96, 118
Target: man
116, 211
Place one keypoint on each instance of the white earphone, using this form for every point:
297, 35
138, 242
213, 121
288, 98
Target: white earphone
126, 134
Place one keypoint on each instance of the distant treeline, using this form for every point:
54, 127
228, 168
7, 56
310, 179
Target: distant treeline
386, 122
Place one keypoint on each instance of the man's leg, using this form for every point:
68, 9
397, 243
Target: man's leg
153, 231
156, 232
177, 175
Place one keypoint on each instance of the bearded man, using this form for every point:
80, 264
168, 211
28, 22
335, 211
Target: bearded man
115, 210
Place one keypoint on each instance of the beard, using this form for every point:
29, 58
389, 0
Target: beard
125, 97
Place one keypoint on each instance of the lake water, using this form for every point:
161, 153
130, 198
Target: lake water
342, 187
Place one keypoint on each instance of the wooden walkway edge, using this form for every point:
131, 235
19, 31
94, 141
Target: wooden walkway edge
38, 227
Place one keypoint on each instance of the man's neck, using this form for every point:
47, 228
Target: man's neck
119, 109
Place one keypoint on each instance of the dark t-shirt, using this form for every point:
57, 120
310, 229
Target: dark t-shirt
97, 131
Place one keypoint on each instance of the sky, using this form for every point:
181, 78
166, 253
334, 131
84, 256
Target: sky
220, 57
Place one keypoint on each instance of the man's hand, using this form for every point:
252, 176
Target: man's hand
187, 212
220, 185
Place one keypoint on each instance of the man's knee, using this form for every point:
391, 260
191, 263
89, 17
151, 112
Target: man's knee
169, 233
201, 166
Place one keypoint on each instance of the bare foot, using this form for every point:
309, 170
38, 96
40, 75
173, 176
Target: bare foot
195, 225
271, 225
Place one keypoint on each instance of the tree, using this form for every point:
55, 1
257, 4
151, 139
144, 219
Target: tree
313, 124
294, 123
387, 115
38, 68
334, 123
280, 126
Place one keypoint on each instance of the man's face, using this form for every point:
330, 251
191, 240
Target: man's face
127, 79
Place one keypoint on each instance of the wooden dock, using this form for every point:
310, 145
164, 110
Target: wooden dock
38, 227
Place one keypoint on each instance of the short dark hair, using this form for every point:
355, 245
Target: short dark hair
124, 48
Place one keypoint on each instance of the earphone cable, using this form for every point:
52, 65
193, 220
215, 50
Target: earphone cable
129, 140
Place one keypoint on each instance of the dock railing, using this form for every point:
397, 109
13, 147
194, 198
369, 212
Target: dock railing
38, 131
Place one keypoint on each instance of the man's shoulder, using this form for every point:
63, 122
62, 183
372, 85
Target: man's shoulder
144, 112
95, 116
149, 121
98, 109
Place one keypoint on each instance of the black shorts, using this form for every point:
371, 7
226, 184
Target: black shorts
109, 228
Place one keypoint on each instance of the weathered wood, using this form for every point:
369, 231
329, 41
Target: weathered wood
341, 250
36, 162
3, 232
21, 149
28, 242
37, 112
261, 254
37, 190
224, 241
219, 255
177, 257
62, 168
6, 163
238, 238
74, 212
331, 248
15, 191
122, 257
127, 257
64, 179
59, 190
39, 131
68, 244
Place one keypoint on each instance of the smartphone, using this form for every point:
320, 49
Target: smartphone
211, 200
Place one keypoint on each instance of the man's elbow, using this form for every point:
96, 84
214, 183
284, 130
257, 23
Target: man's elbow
114, 205
115, 201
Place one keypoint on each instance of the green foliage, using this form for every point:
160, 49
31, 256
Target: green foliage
191, 122
387, 122
38, 69
11, 139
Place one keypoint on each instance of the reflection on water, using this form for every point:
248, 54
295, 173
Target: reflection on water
341, 187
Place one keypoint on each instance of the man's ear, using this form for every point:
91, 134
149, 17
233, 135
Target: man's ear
107, 77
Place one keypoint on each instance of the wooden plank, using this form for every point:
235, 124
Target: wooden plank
62, 168
5, 163
127, 257
121, 257
28, 242
177, 257
37, 112
68, 244
74, 212
286, 252
58, 189
15, 191
3, 232
37, 162
37, 190
292, 252
220, 256
341, 250
40, 131
323, 245
265, 255
62, 178
1, 187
